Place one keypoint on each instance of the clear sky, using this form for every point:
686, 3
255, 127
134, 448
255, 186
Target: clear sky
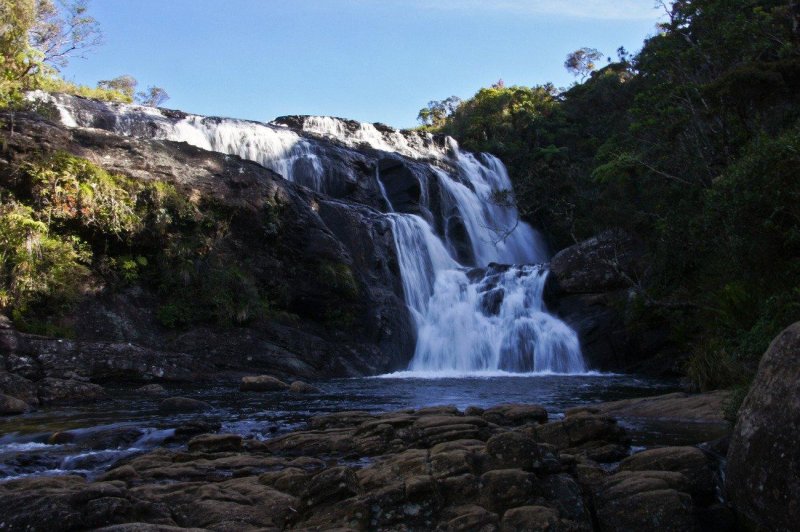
370, 60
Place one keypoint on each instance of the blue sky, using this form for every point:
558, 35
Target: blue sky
370, 60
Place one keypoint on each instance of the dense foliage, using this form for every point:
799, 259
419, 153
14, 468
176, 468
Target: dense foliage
693, 145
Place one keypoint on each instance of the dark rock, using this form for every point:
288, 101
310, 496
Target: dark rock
763, 472
645, 500
58, 391
262, 383
506, 488
215, 443
19, 387
526, 518
515, 415
690, 461
600, 264
512, 450
11, 406
152, 390
195, 427
111, 438
471, 518
183, 404
303, 387
330, 486
576, 430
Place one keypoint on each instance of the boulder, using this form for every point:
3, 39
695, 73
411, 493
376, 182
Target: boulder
600, 264
152, 390
526, 518
763, 472
69, 391
303, 387
690, 461
11, 406
215, 443
515, 415
506, 488
183, 404
19, 387
511, 450
262, 383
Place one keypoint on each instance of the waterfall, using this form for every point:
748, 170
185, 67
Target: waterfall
472, 320
471, 314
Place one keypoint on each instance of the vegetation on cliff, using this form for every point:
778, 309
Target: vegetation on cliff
693, 145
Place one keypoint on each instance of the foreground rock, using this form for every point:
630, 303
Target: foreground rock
10, 406
505, 468
183, 404
763, 475
262, 383
699, 408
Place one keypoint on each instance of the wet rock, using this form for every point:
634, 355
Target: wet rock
564, 494
124, 473
215, 443
61, 437
526, 518
506, 488
111, 438
292, 480
515, 414
11, 406
579, 429
262, 383
19, 387
763, 473
183, 404
303, 387
53, 391
152, 390
512, 450
470, 518
645, 500
706, 407
195, 427
690, 461
331, 485
347, 418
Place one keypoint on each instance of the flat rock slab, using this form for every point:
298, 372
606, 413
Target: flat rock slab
701, 408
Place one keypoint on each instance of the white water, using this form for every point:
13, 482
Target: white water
496, 322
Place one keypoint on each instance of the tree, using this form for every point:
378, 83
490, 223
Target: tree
152, 97
126, 84
16, 19
582, 62
437, 111
63, 30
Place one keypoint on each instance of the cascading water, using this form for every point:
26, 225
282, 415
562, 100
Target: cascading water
471, 315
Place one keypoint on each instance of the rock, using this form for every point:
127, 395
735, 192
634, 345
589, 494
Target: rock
59, 391
506, 488
262, 383
303, 387
515, 415
513, 450
763, 472
599, 264
579, 429
111, 438
11, 406
471, 518
152, 390
645, 500
183, 404
19, 387
527, 518
706, 407
330, 486
690, 461
215, 443
195, 427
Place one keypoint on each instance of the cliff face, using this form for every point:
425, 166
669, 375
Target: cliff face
332, 261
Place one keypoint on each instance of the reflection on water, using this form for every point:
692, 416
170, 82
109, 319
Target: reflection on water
102, 433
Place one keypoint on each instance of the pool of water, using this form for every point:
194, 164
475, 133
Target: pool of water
130, 423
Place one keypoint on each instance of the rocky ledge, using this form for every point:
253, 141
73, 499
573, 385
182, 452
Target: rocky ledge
505, 468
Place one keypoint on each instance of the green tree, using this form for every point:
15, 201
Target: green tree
582, 62
152, 97
125, 84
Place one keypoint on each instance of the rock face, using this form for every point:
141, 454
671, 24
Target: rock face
321, 239
589, 288
431, 469
763, 474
